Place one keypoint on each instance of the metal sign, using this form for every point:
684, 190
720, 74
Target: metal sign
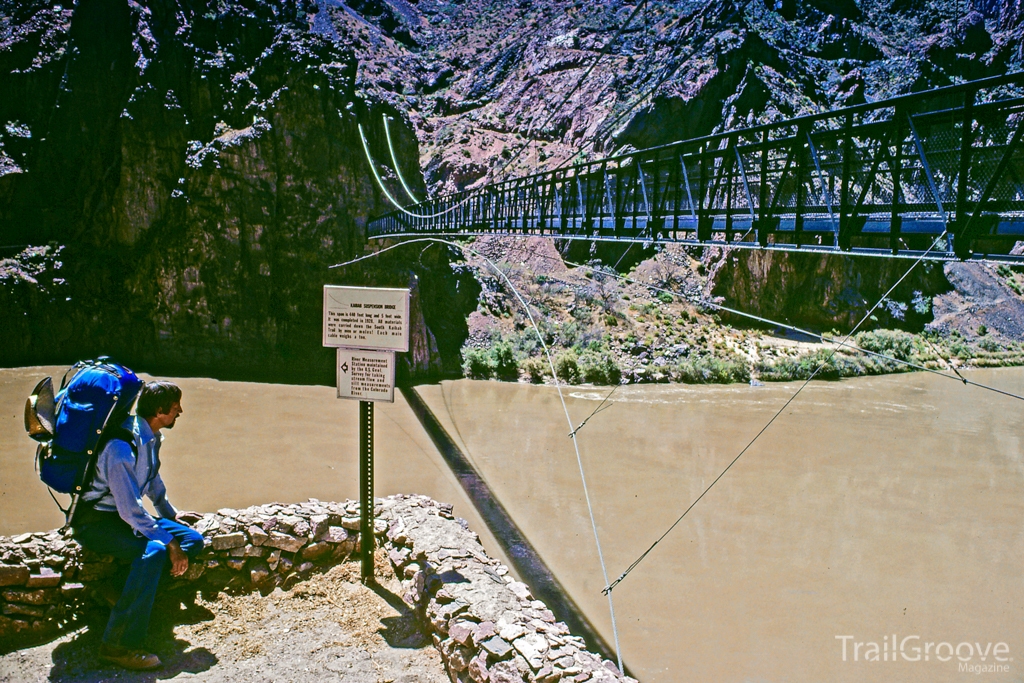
367, 325
366, 318
366, 375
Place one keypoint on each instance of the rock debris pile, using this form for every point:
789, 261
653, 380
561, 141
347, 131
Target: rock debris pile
486, 626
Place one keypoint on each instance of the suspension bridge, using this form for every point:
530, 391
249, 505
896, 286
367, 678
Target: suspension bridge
885, 178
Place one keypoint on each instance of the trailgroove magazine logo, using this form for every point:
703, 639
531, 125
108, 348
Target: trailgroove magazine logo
971, 657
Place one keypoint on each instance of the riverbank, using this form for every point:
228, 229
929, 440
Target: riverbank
658, 323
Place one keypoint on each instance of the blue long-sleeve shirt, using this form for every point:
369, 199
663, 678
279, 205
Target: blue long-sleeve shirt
122, 479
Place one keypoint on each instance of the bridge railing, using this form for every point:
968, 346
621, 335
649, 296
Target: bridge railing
883, 177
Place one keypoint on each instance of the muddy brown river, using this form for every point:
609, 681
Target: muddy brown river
874, 511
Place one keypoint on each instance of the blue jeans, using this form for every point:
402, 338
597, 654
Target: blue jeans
106, 533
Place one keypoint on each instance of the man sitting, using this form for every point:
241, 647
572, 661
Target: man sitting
112, 521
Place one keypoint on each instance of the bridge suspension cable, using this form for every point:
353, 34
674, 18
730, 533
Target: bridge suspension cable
394, 161
394, 202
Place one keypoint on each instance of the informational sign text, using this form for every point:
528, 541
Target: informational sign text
366, 318
366, 375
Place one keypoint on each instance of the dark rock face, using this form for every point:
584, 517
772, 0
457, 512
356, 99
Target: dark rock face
826, 291
202, 165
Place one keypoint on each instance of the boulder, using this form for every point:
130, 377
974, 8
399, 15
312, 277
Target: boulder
228, 541
284, 542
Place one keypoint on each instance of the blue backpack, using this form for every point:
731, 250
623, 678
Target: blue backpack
74, 424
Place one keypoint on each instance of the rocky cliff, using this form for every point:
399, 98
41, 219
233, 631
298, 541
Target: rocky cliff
197, 166
196, 163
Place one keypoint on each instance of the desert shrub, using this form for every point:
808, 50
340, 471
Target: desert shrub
711, 370
894, 343
503, 360
833, 366
599, 367
524, 342
476, 362
989, 344
567, 334
536, 368
665, 297
961, 350
567, 367
581, 313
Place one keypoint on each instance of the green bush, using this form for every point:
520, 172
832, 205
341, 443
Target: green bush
599, 367
711, 370
991, 345
834, 366
504, 362
665, 298
476, 363
567, 367
894, 343
961, 350
536, 369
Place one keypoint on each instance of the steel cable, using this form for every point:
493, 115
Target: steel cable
561, 397
394, 160
607, 590
523, 147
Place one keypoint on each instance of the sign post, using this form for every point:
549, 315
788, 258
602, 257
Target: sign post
366, 489
367, 325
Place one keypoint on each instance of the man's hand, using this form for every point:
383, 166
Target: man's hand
179, 560
188, 517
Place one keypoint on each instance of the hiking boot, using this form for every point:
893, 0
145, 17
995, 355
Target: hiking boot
136, 660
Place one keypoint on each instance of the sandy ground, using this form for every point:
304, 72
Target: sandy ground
328, 628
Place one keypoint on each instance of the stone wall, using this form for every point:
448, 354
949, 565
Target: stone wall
487, 626
48, 581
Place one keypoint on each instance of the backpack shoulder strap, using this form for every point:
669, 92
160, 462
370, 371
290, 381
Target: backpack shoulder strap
117, 434
110, 434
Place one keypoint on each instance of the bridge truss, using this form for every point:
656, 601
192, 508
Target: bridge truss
882, 179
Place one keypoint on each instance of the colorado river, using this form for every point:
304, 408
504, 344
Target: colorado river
877, 508
872, 508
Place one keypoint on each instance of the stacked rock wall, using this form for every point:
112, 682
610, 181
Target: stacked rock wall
487, 626
46, 579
